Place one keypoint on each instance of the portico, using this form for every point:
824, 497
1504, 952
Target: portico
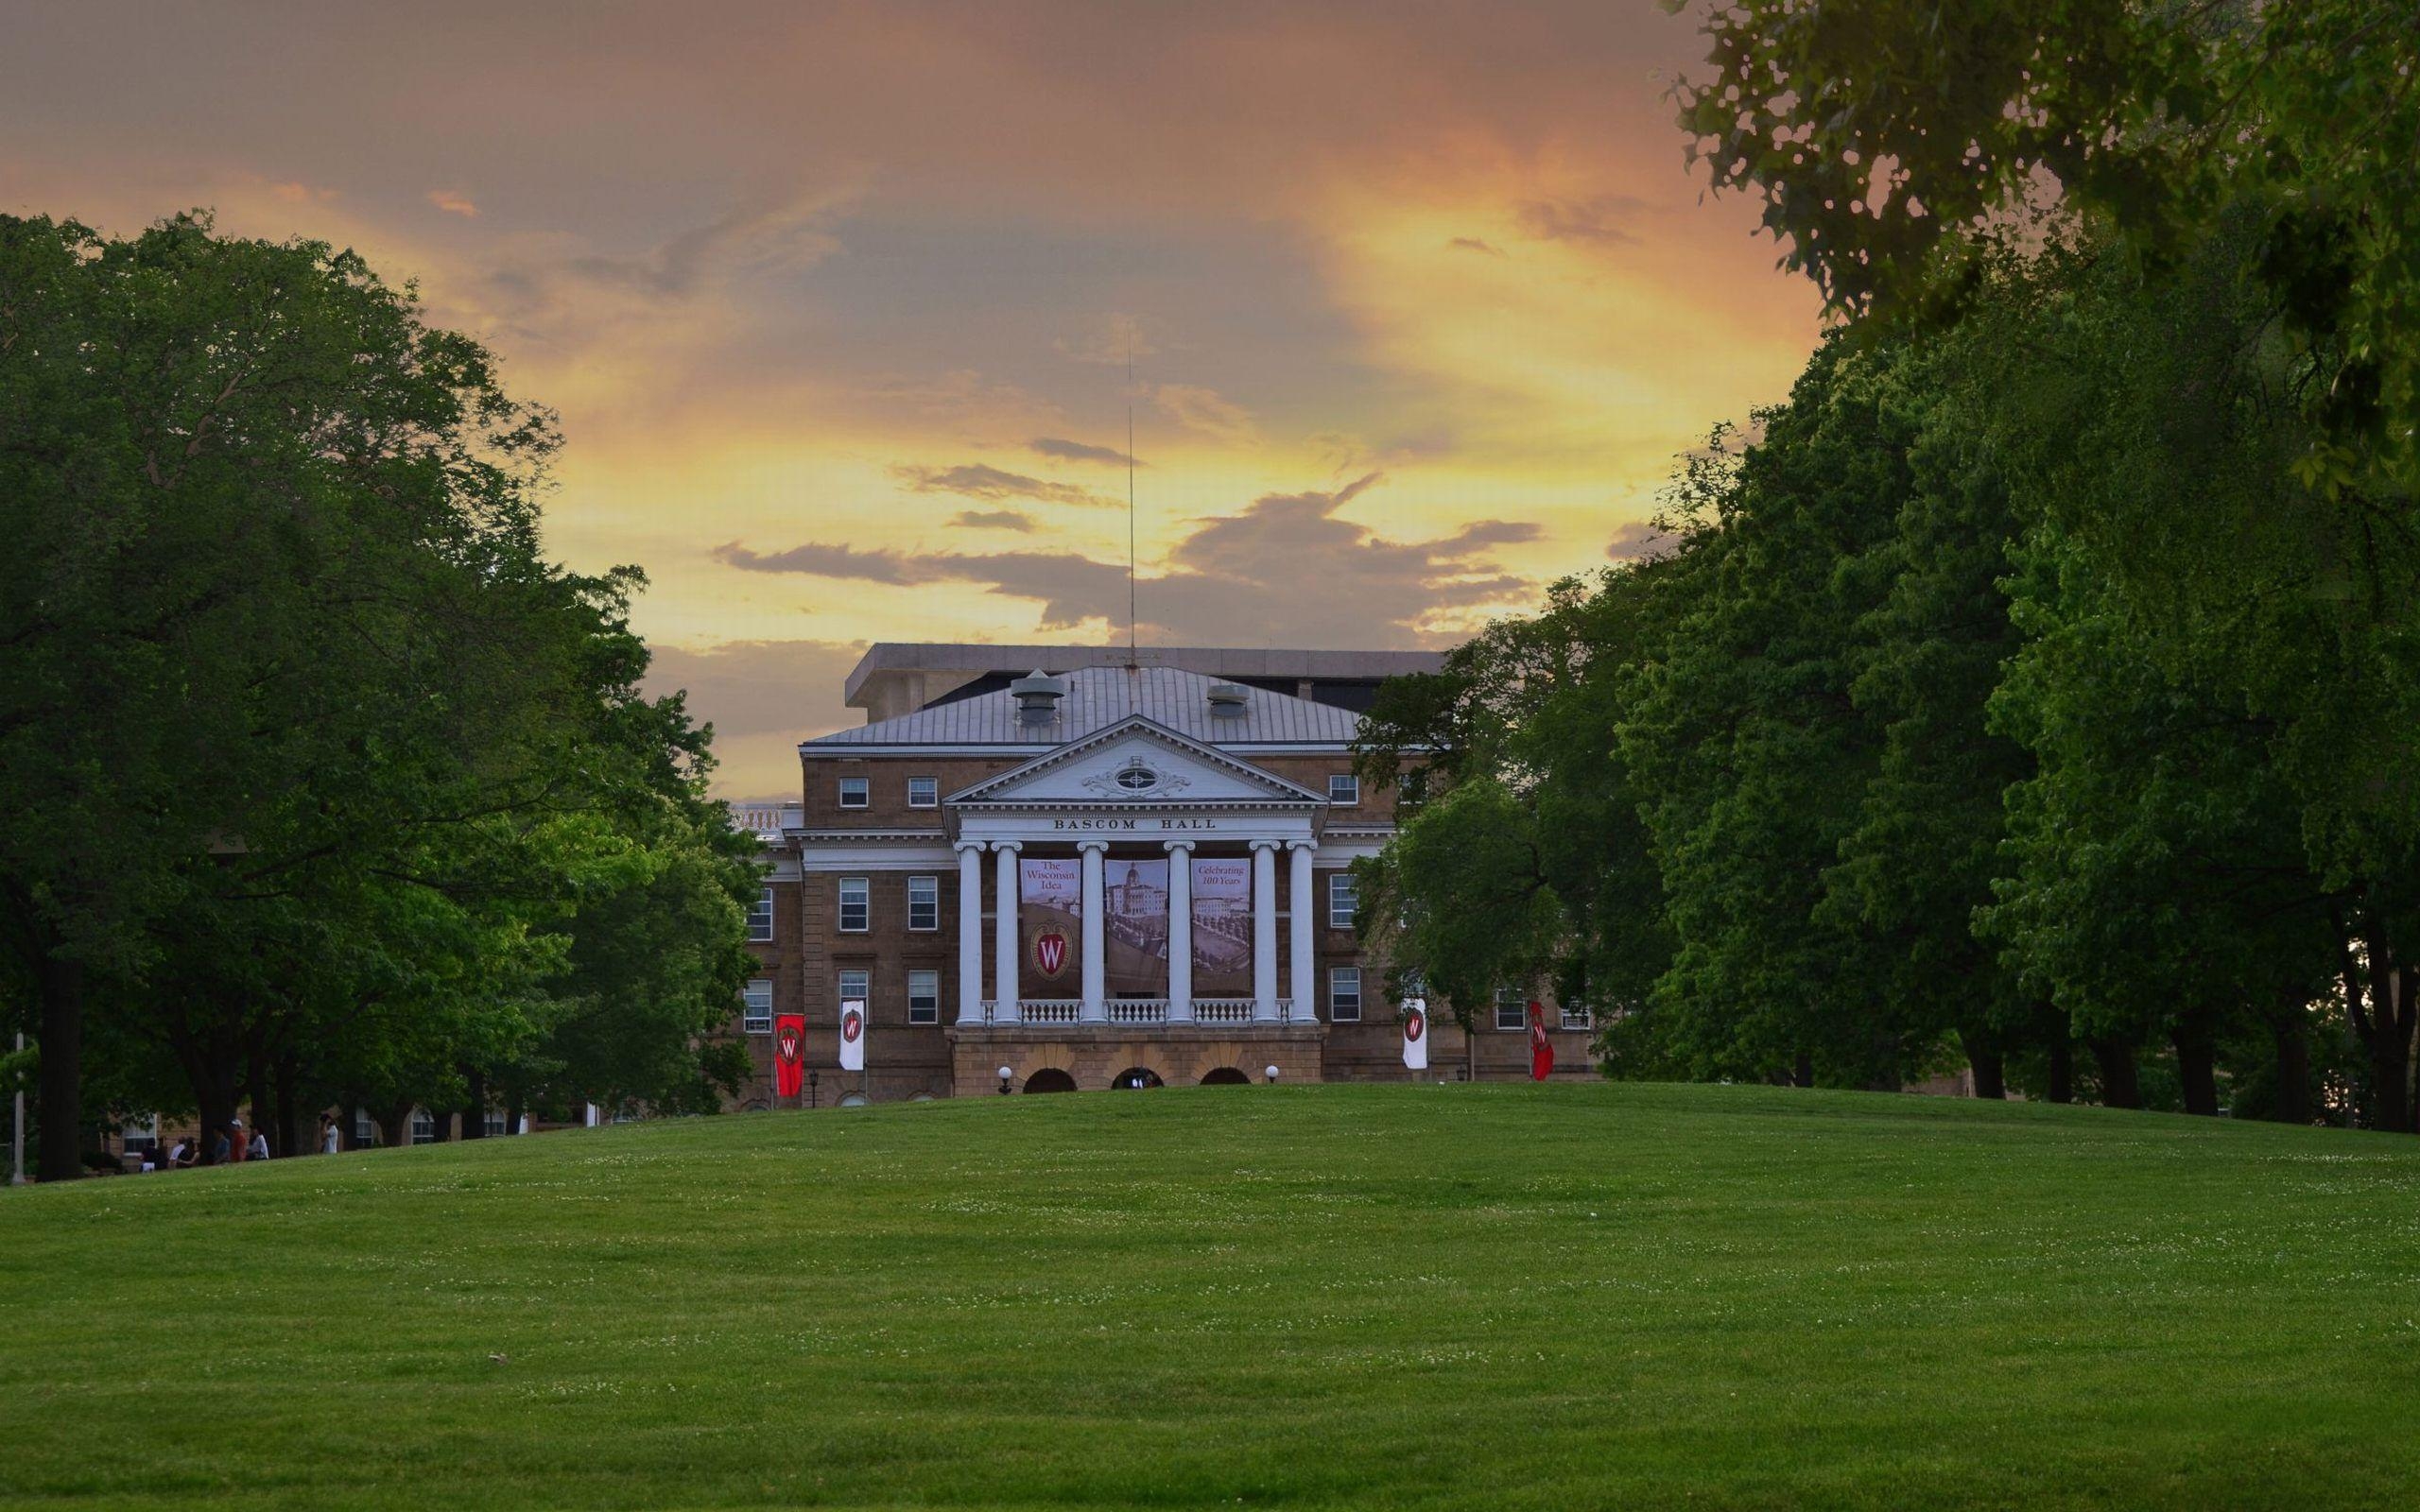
1131, 792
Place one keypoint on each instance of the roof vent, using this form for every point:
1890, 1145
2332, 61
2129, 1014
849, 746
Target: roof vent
1038, 698
1227, 699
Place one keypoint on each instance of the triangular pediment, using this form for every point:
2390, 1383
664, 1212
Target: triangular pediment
1134, 763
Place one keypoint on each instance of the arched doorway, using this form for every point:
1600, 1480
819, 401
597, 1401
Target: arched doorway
1050, 1079
1226, 1077
1138, 1078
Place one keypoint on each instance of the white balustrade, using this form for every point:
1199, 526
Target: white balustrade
1222, 1010
1138, 1011
1050, 1010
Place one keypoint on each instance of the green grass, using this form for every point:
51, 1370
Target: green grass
1498, 1296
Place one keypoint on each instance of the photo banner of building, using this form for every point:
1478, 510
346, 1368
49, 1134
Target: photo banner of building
1222, 926
1135, 939
1050, 902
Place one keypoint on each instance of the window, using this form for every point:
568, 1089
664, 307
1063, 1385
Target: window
493, 1122
1343, 899
924, 997
924, 792
1579, 1016
141, 1138
1343, 787
1511, 1008
1344, 994
855, 986
924, 902
855, 791
365, 1131
856, 906
760, 918
424, 1126
756, 1007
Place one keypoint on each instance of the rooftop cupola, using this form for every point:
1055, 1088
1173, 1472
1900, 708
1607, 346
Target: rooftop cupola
1227, 699
1038, 696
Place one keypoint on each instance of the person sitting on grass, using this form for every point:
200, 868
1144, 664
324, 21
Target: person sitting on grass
259, 1148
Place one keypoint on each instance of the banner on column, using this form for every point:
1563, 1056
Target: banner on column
853, 1035
1135, 927
1050, 915
1221, 927
1415, 1033
789, 1054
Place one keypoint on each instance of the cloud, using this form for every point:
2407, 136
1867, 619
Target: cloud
787, 234
1473, 243
1052, 446
1110, 343
1580, 220
301, 193
1641, 542
453, 203
763, 697
1206, 410
1288, 566
976, 481
994, 520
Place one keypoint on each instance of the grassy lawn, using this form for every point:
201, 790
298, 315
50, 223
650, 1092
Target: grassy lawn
1499, 1297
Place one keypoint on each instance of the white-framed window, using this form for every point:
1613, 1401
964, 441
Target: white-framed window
855, 986
756, 1007
1343, 899
924, 792
857, 792
1344, 994
1343, 788
1511, 1008
760, 918
1578, 1016
856, 905
365, 1128
424, 1126
924, 902
495, 1124
924, 997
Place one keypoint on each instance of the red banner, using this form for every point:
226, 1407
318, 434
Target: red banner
1541, 1048
789, 1050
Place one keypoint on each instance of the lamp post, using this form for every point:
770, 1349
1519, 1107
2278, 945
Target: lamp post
1271, 1072
810, 1089
1005, 1074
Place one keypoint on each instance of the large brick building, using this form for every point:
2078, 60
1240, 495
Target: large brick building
1089, 874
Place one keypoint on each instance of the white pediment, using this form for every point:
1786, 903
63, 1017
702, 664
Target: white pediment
1136, 763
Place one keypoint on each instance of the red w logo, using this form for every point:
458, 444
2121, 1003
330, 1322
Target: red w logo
789, 1043
851, 1024
1415, 1025
1050, 953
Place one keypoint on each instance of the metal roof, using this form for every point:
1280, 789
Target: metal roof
1101, 696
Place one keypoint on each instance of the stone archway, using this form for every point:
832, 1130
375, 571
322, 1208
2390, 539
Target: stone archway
1227, 1076
1050, 1079
1138, 1078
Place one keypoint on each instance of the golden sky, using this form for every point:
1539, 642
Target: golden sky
834, 299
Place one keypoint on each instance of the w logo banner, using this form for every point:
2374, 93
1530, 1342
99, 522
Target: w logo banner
852, 1035
1415, 1033
789, 1047
1050, 953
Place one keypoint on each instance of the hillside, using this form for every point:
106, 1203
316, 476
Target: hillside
1503, 1295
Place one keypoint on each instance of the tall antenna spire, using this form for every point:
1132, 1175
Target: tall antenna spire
1133, 661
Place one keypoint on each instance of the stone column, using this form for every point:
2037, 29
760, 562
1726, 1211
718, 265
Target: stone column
1302, 899
1180, 931
1006, 946
970, 932
1264, 931
1095, 971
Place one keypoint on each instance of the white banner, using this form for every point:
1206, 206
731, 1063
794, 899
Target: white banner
853, 1035
1415, 1033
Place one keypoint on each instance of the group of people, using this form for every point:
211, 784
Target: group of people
232, 1145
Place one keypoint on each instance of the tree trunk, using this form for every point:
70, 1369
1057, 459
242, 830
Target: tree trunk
475, 1107
2118, 1086
291, 1135
2062, 1067
1802, 1070
59, 1093
395, 1126
1984, 1059
514, 1109
2197, 1069
349, 1126
2290, 1027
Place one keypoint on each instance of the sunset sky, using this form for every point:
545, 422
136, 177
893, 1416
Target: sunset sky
835, 301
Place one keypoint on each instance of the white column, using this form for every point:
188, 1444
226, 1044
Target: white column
1300, 902
1096, 1009
970, 932
1180, 931
1005, 944
1264, 931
